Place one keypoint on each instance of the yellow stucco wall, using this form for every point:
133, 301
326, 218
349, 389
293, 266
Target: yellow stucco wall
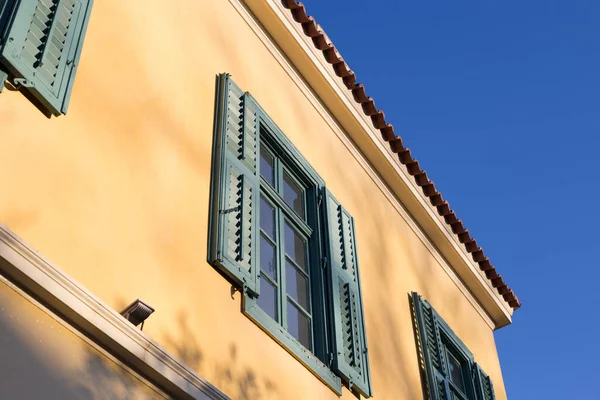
43, 358
116, 193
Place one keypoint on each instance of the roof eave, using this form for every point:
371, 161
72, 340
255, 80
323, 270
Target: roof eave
407, 180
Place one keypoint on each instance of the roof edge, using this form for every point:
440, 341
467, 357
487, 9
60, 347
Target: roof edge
286, 40
322, 42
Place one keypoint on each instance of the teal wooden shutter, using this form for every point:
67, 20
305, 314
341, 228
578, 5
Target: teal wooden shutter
235, 191
351, 360
43, 46
483, 384
431, 348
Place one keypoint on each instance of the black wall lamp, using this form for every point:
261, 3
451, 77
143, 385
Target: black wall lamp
137, 312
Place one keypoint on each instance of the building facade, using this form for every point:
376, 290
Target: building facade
220, 161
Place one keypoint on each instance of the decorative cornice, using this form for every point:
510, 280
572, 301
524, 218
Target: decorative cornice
27, 269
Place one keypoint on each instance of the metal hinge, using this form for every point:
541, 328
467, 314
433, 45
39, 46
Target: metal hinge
330, 360
324, 262
23, 82
320, 200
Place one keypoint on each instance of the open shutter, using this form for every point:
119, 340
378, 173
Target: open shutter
235, 187
42, 48
431, 348
350, 359
483, 384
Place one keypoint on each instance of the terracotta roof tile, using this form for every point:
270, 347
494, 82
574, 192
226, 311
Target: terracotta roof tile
342, 70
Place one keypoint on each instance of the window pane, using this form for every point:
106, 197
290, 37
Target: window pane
297, 285
295, 246
267, 218
266, 165
267, 300
292, 194
267, 257
456, 372
298, 325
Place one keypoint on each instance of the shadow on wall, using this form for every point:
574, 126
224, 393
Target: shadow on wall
41, 359
235, 380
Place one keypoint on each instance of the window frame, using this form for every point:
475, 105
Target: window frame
299, 169
454, 347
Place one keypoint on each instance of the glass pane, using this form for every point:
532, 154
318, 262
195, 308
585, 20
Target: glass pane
292, 194
456, 372
267, 301
267, 257
266, 165
297, 285
267, 217
298, 325
295, 246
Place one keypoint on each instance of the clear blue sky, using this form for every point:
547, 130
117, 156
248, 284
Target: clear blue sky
500, 103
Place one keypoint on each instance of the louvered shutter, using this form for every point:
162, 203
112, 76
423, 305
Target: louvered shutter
483, 384
431, 348
235, 187
42, 48
350, 357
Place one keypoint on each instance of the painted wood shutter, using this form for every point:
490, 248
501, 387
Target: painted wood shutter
42, 48
235, 191
351, 359
431, 348
483, 384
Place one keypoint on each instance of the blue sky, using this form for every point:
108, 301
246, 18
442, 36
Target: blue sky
500, 103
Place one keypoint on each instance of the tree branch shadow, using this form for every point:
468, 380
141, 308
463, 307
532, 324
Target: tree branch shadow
235, 380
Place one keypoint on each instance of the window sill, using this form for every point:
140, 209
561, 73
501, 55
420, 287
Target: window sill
288, 342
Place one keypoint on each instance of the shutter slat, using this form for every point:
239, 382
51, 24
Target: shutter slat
33, 42
40, 23
37, 32
58, 45
53, 55
44, 10
235, 190
430, 347
351, 359
30, 51
483, 384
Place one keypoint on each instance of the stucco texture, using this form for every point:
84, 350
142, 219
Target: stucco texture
116, 193
42, 358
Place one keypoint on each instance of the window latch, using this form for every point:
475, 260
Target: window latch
229, 210
247, 292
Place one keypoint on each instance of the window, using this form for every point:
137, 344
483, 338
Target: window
40, 46
450, 371
284, 248
281, 237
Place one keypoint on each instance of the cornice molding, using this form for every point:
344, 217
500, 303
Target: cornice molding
93, 318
